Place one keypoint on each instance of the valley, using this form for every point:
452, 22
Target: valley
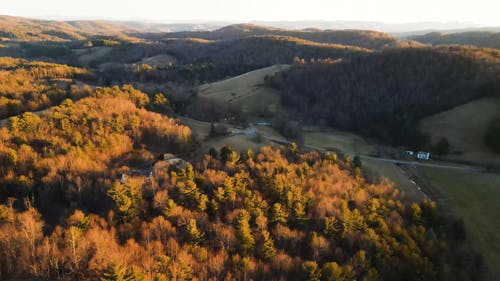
140, 151
458, 181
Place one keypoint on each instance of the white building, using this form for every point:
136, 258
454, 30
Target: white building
423, 155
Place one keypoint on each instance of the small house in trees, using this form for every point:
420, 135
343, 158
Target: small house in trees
123, 179
172, 161
178, 163
167, 156
421, 155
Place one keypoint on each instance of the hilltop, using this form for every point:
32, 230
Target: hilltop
486, 39
383, 94
361, 38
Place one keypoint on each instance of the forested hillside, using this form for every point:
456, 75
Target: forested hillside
476, 38
383, 94
201, 60
67, 155
23, 29
31, 86
274, 215
361, 38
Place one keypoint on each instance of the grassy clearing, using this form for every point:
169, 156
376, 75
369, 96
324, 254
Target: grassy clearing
344, 141
393, 173
86, 56
475, 197
248, 79
238, 143
246, 90
270, 133
159, 60
464, 127
200, 128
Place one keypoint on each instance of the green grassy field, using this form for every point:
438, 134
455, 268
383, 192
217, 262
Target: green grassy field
270, 133
86, 56
394, 173
246, 90
344, 141
238, 143
475, 197
464, 127
200, 128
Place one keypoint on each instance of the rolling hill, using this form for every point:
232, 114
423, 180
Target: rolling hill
200, 60
361, 38
383, 94
246, 91
465, 127
485, 39
23, 29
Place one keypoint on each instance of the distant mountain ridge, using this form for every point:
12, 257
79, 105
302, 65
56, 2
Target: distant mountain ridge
373, 35
370, 25
361, 38
22, 29
17, 28
477, 38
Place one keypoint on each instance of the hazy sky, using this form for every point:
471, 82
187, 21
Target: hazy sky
485, 12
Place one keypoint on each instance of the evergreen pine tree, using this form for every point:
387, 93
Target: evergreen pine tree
278, 214
268, 250
244, 233
114, 272
195, 235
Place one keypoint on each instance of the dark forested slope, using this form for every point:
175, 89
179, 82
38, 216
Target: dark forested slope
383, 94
477, 38
274, 215
202, 60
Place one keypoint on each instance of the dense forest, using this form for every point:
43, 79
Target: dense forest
67, 154
195, 60
274, 215
384, 94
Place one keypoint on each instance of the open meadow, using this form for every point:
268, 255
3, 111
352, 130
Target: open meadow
464, 127
475, 197
247, 90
